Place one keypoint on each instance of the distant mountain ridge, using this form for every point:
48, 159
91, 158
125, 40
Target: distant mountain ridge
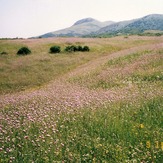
90, 26
78, 29
135, 26
114, 27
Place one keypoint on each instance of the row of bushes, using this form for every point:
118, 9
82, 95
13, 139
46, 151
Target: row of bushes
56, 49
74, 48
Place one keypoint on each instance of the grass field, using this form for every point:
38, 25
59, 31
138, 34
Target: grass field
105, 105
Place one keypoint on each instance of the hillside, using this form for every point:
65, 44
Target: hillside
150, 22
105, 105
78, 29
113, 27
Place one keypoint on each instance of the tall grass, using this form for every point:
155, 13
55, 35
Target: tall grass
21, 73
139, 67
112, 113
117, 132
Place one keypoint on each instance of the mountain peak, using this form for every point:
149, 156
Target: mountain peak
86, 20
154, 15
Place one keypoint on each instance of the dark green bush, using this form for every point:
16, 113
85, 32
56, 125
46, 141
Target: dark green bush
24, 51
71, 48
55, 49
158, 34
74, 48
85, 48
80, 48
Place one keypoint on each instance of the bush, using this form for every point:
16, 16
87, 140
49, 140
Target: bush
74, 48
71, 48
158, 34
80, 48
85, 48
24, 51
55, 49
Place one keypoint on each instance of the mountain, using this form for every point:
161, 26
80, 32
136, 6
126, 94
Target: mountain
114, 27
78, 29
149, 22
92, 27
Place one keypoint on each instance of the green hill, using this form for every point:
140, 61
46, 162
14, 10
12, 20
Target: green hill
137, 26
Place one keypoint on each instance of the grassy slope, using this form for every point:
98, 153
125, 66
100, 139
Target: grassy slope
107, 110
20, 73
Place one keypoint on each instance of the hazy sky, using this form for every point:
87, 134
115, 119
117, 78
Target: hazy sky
26, 18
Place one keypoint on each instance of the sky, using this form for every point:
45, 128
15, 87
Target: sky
28, 18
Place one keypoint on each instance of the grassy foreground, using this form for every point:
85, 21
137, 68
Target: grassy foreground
108, 106
118, 132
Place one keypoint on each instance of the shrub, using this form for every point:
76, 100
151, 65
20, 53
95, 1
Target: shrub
158, 34
55, 49
80, 48
85, 48
74, 48
24, 51
71, 48
3, 53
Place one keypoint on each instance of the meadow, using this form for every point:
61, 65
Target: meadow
105, 105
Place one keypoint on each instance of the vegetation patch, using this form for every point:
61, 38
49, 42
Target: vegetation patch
105, 84
152, 77
74, 48
117, 132
3, 53
127, 59
55, 49
24, 51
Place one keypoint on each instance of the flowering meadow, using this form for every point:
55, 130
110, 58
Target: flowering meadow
105, 105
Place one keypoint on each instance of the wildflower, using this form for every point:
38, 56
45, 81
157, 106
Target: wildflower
141, 126
62, 144
25, 137
162, 146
